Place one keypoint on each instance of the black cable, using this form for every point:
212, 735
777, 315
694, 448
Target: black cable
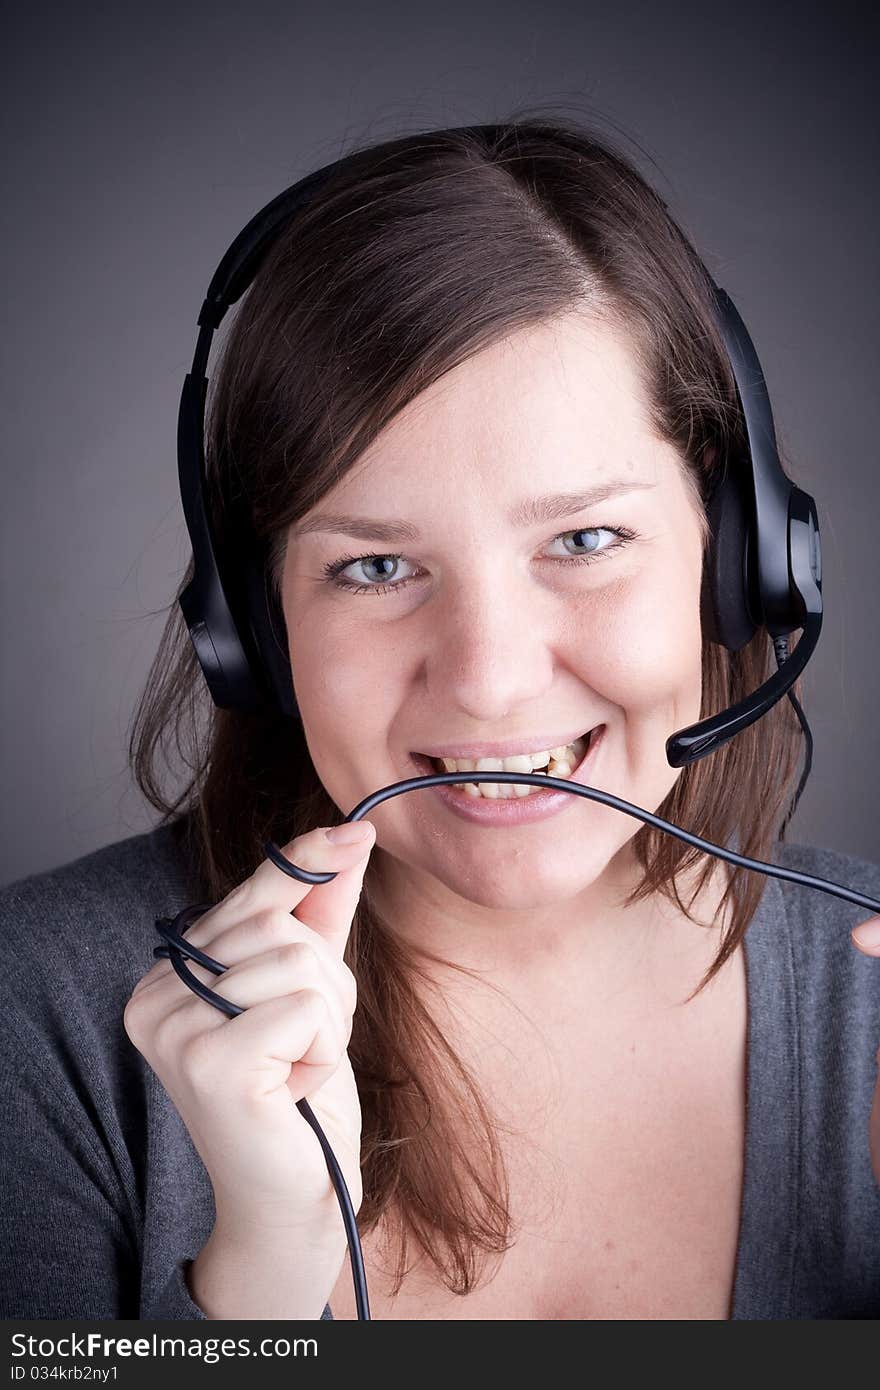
780, 648
177, 947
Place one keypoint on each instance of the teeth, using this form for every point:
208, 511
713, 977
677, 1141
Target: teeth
559, 762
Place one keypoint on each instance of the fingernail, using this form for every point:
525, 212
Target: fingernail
867, 934
349, 832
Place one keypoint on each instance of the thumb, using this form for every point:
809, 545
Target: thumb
866, 936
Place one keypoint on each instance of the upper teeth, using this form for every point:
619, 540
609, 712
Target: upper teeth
570, 753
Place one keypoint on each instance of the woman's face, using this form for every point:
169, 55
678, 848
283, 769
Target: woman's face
494, 637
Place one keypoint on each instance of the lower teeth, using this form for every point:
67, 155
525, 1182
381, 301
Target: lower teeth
498, 791
507, 791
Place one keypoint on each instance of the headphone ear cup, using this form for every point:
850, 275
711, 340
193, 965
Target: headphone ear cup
727, 606
268, 636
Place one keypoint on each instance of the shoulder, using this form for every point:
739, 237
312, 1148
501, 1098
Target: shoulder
811, 927
812, 907
850, 870
84, 931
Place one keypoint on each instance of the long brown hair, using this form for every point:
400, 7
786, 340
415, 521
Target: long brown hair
439, 245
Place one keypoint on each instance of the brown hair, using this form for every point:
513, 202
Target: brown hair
437, 246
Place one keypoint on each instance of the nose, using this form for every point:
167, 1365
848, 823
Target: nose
491, 644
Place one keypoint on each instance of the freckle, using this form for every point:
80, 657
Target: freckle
609, 1245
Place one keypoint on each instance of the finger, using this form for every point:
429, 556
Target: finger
273, 1037
284, 971
251, 936
171, 1017
330, 907
270, 887
866, 936
276, 931
295, 964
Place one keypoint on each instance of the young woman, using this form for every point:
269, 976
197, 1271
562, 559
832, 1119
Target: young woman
474, 403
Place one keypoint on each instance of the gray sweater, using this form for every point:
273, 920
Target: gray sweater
105, 1198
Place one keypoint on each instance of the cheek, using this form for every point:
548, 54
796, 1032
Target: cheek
328, 667
347, 695
336, 684
647, 642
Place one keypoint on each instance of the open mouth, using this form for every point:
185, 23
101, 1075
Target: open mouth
562, 769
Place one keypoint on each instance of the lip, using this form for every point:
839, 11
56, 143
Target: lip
508, 749
520, 810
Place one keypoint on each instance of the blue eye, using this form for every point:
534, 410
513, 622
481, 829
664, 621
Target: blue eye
333, 570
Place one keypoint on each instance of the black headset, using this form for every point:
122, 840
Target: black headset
762, 565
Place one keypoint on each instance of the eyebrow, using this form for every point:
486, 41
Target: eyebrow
531, 512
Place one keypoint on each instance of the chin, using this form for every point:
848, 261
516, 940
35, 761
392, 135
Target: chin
525, 882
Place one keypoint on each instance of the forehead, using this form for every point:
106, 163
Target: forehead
545, 387
554, 408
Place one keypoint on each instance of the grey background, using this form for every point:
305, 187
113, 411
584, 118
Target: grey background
140, 139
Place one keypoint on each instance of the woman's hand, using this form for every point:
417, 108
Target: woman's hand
866, 938
235, 1081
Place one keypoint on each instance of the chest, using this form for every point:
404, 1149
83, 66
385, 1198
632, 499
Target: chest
625, 1169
